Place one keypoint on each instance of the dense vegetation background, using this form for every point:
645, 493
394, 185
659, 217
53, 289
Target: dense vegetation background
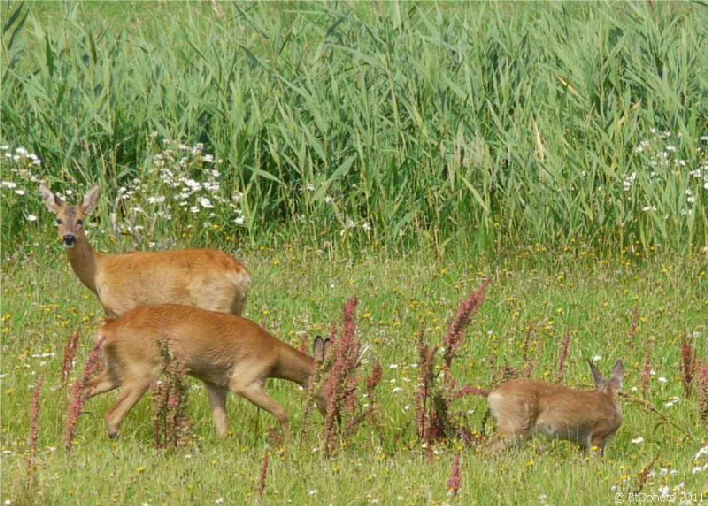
401, 153
486, 126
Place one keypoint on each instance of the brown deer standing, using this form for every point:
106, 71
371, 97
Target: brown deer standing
226, 352
205, 278
588, 418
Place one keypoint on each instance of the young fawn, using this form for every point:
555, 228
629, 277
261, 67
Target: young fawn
205, 278
226, 352
588, 418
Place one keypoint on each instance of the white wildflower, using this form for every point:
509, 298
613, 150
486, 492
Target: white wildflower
638, 440
205, 203
31, 218
671, 403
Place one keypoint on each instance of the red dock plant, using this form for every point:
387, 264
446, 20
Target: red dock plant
565, 347
264, 476
702, 389
170, 402
67, 363
455, 481
34, 431
688, 365
77, 393
341, 383
433, 401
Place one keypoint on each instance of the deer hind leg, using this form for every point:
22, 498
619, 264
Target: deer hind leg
104, 382
217, 400
132, 392
253, 391
515, 421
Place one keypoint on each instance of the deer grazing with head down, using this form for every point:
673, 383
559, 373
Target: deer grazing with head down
226, 352
205, 278
588, 418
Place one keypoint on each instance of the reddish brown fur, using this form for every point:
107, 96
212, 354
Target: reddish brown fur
589, 418
226, 352
210, 279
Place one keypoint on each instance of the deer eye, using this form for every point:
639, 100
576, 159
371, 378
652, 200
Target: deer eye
79, 222
59, 222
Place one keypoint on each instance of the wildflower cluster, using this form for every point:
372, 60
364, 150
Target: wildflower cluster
183, 185
663, 152
19, 179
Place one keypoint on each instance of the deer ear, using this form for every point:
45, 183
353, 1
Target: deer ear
617, 379
321, 348
91, 199
596, 375
51, 200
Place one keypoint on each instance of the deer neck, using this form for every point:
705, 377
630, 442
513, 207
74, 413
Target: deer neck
294, 366
84, 262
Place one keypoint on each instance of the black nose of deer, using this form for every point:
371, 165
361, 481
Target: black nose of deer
69, 240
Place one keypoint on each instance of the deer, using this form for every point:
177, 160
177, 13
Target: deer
588, 418
206, 278
226, 352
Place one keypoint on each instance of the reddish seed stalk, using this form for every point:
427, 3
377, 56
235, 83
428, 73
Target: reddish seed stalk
633, 330
688, 365
528, 363
455, 481
702, 391
425, 382
70, 350
264, 475
456, 332
564, 355
169, 400
371, 384
34, 430
341, 383
77, 393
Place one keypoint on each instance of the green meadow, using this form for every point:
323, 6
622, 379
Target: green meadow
399, 153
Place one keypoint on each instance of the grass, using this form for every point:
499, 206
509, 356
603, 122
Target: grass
398, 153
300, 289
472, 125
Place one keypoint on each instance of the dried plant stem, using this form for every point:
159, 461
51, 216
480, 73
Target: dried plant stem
264, 475
68, 361
702, 392
34, 431
565, 347
77, 393
455, 481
